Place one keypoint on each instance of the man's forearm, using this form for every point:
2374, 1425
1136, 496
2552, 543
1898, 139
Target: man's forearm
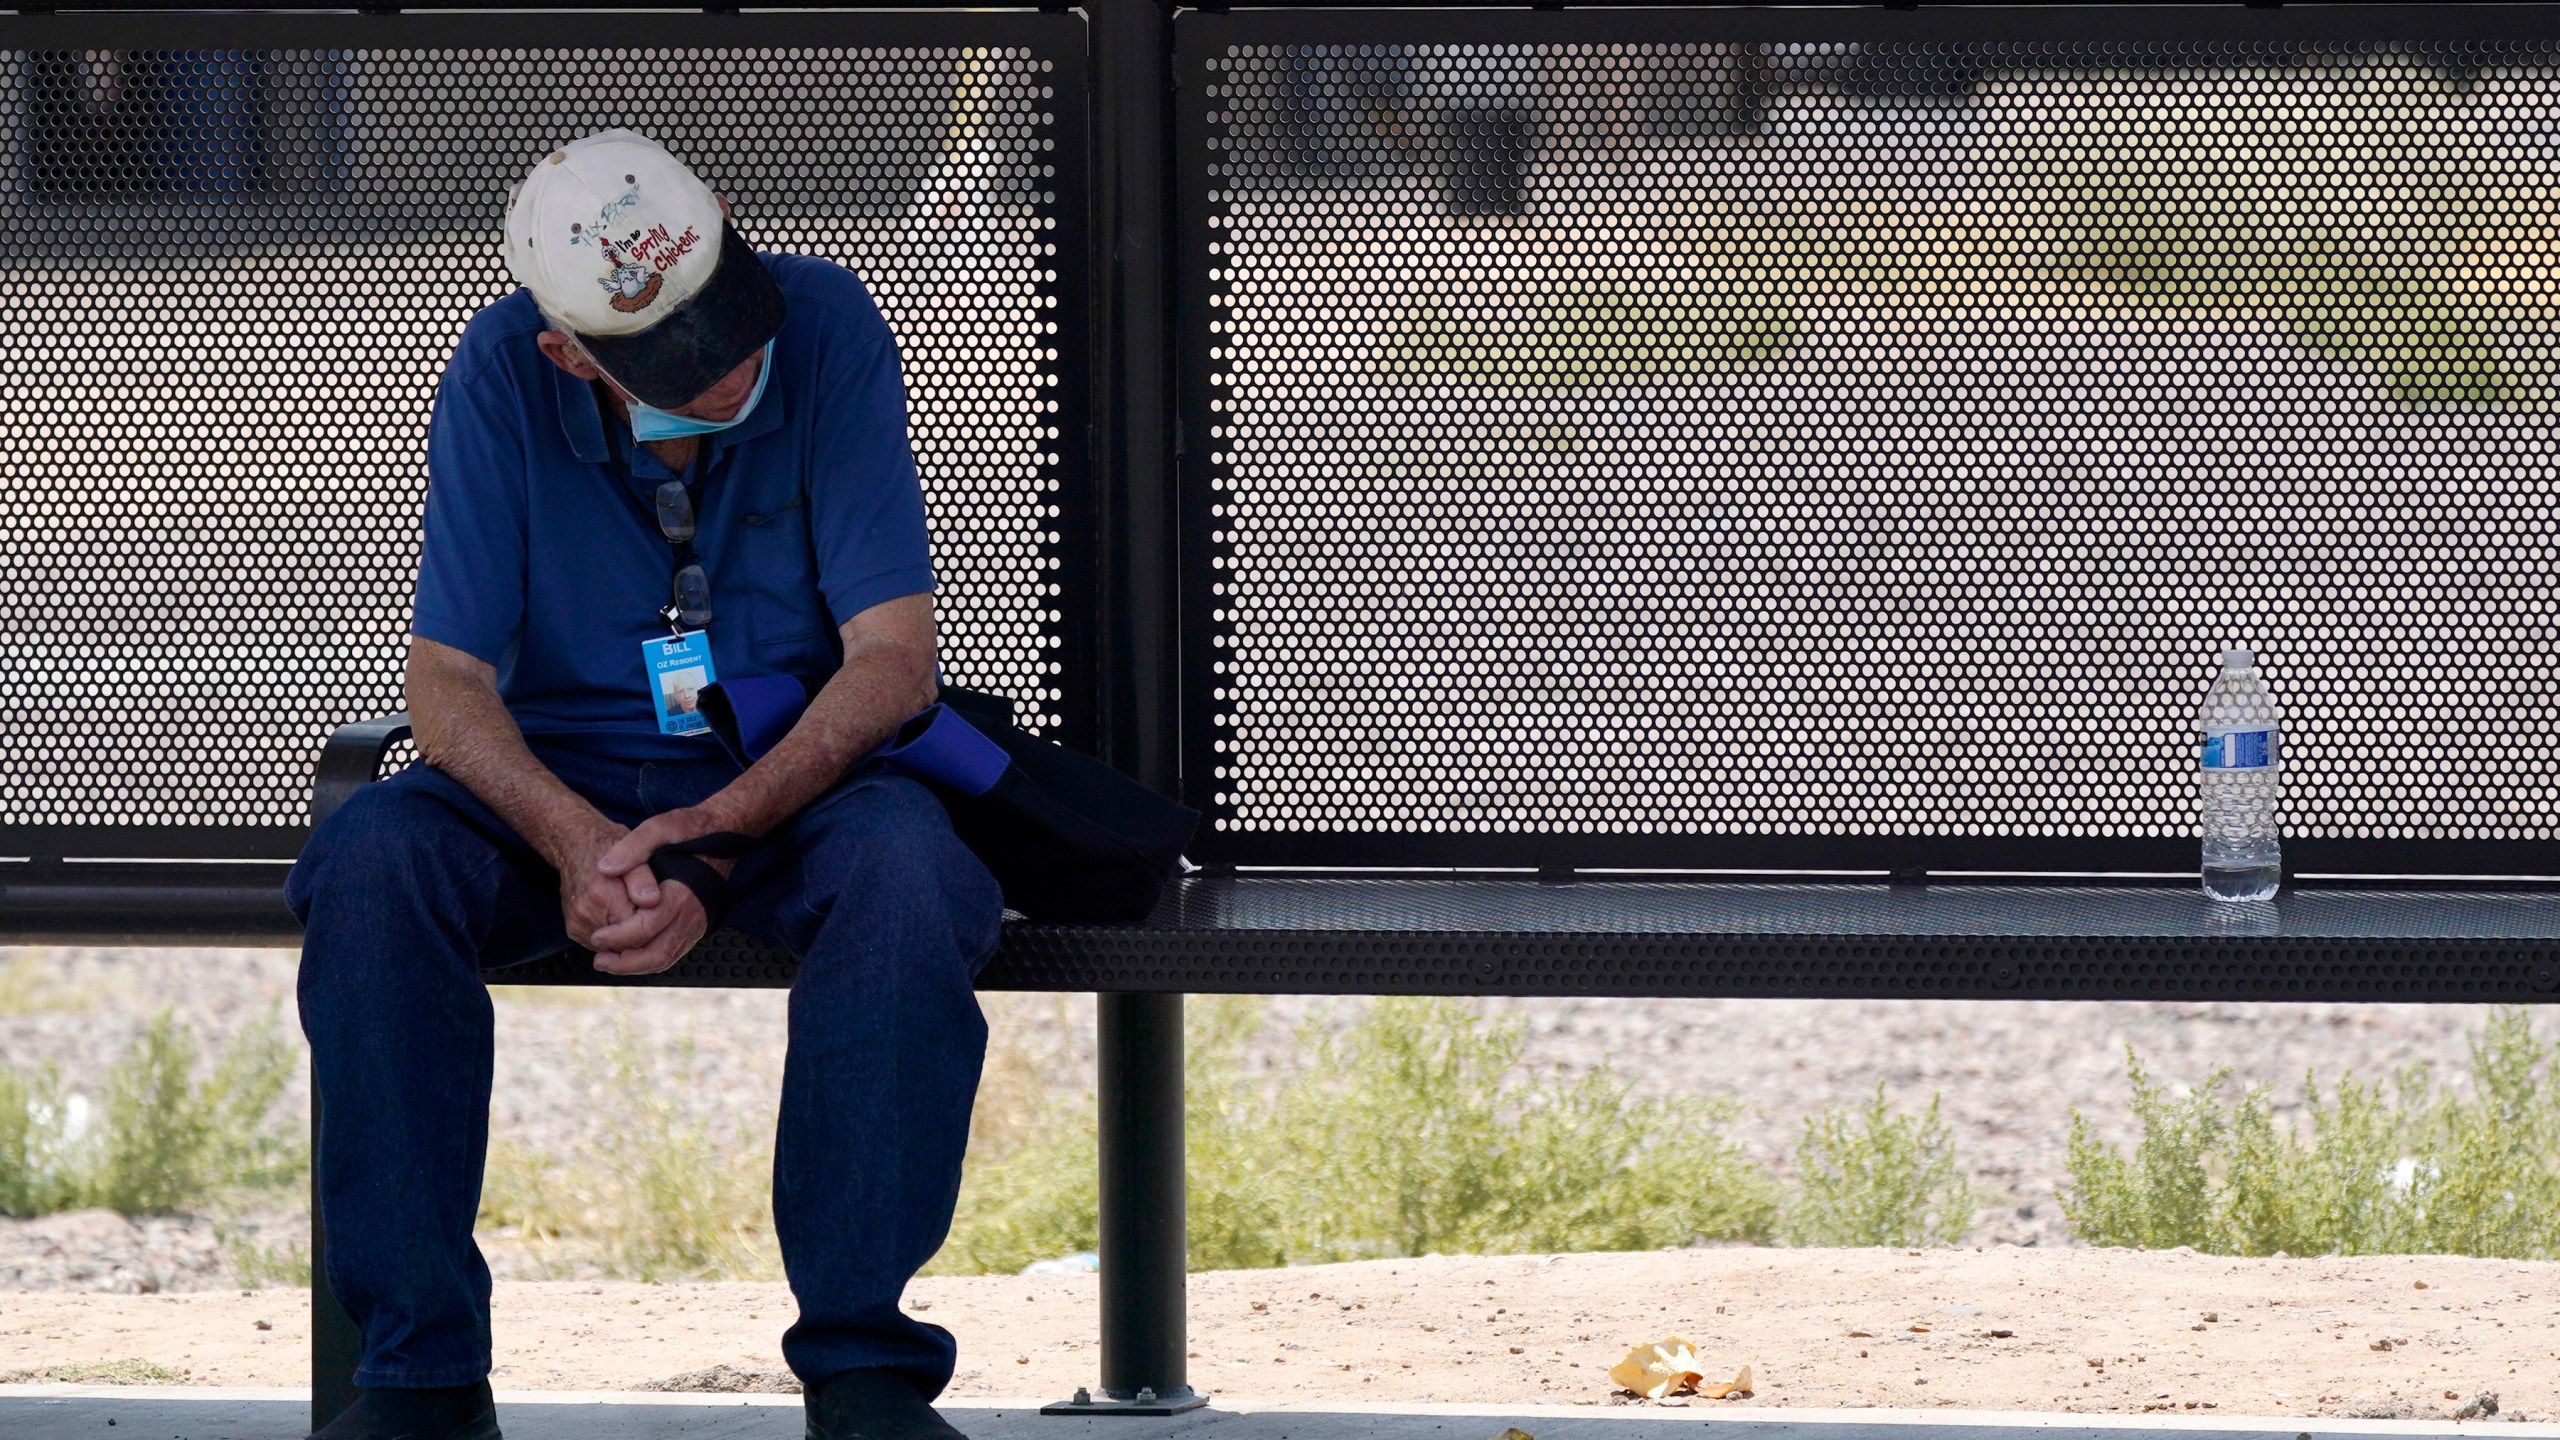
869, 696
463, 729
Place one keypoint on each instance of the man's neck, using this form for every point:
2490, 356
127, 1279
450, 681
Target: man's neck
677, 455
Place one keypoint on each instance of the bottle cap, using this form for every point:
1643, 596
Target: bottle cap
2239, 660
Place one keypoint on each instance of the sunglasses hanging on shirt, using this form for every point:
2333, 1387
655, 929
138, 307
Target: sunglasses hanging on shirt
688, 604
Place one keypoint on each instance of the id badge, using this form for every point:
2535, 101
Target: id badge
679, 667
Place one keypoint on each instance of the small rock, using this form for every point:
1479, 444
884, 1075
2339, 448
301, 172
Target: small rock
2478, 1407
270, 1325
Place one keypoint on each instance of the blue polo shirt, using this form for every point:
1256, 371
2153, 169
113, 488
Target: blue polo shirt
543, 555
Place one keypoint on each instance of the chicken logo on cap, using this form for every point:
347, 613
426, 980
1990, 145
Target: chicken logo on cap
633, 287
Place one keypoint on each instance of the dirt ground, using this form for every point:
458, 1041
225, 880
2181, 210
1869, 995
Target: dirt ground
2004, 1327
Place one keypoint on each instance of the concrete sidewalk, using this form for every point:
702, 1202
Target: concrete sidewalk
121, 1412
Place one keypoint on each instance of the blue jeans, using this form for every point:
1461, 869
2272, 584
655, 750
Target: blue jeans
414, 887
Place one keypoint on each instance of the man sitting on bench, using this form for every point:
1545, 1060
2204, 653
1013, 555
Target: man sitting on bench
666, 461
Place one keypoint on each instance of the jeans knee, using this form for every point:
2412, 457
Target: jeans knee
387, 840
903, 867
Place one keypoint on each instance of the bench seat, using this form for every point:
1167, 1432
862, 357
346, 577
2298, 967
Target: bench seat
1516, 935
1300, 934
1260, 933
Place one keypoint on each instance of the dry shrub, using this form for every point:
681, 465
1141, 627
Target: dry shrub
2411, 1167
1875, 1177
1409, 1133
1414, 1132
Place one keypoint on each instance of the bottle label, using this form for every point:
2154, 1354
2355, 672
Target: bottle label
2243, 750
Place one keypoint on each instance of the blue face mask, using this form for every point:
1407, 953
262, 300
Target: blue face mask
648, 422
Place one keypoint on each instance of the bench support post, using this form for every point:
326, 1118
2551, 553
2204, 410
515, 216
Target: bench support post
1144, 1329
335, 1344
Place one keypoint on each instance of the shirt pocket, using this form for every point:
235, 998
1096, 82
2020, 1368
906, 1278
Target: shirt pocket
779, 575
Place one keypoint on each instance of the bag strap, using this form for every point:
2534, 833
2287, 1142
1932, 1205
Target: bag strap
682, 862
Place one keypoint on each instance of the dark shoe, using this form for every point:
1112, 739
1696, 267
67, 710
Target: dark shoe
458, 1412
873, 1405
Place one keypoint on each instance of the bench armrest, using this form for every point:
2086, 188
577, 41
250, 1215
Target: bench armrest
352, 760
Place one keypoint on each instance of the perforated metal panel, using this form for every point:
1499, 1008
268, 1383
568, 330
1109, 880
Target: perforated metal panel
1846, 439
232, 266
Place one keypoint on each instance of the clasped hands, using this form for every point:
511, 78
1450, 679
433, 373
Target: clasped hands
615, 906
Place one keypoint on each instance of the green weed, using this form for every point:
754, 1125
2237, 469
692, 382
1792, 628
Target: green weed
170, 1141
1876, 1177
161, 1138
28, 1132
2412, 1168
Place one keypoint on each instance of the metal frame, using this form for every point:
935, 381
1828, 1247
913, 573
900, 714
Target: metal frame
1201, 34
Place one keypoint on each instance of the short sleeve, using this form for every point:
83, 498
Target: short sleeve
471, 574
866, 502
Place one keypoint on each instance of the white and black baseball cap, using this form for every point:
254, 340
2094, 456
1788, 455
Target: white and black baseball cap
625, 246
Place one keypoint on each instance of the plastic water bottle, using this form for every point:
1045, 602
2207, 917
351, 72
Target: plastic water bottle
2243, 749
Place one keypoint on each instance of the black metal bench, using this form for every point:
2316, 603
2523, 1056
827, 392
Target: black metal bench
1506, 655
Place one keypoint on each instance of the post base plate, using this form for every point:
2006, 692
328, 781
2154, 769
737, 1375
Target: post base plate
1145, 1404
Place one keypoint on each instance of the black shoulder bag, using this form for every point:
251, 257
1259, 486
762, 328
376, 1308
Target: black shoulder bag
1069, 839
